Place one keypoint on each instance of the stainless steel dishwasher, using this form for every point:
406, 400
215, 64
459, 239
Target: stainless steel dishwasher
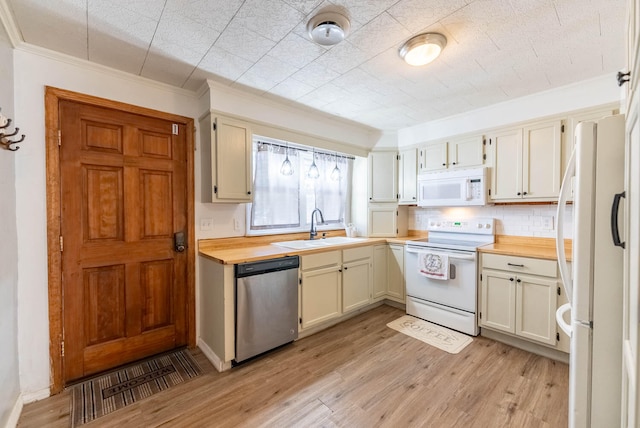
266, 305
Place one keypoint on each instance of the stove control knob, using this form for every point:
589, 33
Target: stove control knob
479, 226
488, 226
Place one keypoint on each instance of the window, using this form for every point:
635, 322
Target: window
284, 203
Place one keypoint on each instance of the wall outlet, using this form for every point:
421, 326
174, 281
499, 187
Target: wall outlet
236, 224
547, 222
206, 223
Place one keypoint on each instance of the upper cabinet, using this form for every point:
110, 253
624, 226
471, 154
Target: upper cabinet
407, 177
462, 152
383, 177
226, 159
527, 162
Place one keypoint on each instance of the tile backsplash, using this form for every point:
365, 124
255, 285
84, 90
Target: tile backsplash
518, 220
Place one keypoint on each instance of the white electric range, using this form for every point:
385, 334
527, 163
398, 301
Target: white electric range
442, 272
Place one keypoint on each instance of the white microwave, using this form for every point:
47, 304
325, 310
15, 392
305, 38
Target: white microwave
460, 187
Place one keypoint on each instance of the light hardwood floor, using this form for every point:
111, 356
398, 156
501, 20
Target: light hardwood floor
359, 373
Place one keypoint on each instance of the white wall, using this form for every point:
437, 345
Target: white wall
9, 380
33, 72
581, 95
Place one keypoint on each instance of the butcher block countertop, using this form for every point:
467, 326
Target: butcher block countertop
526, 246
230, 251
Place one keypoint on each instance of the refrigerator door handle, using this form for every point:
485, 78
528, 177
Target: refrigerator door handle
560, 319
615, 230
562, 202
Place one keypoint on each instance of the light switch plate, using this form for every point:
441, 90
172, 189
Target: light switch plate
547, 222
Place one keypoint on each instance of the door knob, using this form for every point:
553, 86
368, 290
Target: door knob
179, 244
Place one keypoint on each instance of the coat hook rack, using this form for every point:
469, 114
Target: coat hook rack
5, 136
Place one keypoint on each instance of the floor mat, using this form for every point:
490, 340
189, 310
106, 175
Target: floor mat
106, 393
432, 334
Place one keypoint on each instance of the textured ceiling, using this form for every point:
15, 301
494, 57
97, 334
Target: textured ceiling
497, 49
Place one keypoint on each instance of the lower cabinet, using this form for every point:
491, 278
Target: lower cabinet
356, 278
519, 295
320, 288
388, 272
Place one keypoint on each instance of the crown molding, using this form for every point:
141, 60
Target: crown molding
9, 24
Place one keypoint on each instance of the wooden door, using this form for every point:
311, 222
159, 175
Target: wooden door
123, 183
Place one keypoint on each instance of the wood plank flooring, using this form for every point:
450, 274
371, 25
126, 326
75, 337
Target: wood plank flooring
359, 373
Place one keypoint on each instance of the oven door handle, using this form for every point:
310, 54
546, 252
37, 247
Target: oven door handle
450, 255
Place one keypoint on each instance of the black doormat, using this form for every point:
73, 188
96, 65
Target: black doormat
106, 393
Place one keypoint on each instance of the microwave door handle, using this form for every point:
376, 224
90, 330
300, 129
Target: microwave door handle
468, 195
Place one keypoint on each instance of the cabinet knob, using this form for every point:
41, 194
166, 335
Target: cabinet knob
511, 279
518, 280
519, 193
414, 197
345, 268
524, 193
454, 163
444, 164
249, 192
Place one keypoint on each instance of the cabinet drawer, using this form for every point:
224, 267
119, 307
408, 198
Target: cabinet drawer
358, 253
314, 261
521, 264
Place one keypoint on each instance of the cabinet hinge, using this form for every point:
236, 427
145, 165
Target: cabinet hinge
59, 138
559, 292
214, 126
397, 195
557, 337
562, 128
484, 156
61, 243
300, 320
215, 189
480, 277
489, 141
62, 348
484, 141
489, 192
397, 157
480, 315
300, 281
174, 129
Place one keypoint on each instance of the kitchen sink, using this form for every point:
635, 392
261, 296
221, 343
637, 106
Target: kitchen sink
302, 244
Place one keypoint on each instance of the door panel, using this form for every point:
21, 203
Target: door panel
123, 196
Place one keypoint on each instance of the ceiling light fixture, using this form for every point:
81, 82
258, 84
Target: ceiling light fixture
313, 169
328, 28
335, 174
423, 48
286, 168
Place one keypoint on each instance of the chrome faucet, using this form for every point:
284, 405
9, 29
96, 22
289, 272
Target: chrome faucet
313, 232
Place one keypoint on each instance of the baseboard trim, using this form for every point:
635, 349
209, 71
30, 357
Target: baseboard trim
211, 356
36, 396
526, 345
14, 416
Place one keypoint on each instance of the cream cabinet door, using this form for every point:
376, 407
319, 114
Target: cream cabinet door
407, 177
231, 160
380, 271
383, 177
320, 296
383, 220
498, 301
395, 282
506, 174
466, 152
536, 308
542, 160
356, 285
433, 157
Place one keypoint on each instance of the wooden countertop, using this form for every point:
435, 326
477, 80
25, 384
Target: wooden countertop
250, 249
231, 251
526, 246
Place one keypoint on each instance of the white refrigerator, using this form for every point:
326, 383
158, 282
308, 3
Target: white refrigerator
594, 283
